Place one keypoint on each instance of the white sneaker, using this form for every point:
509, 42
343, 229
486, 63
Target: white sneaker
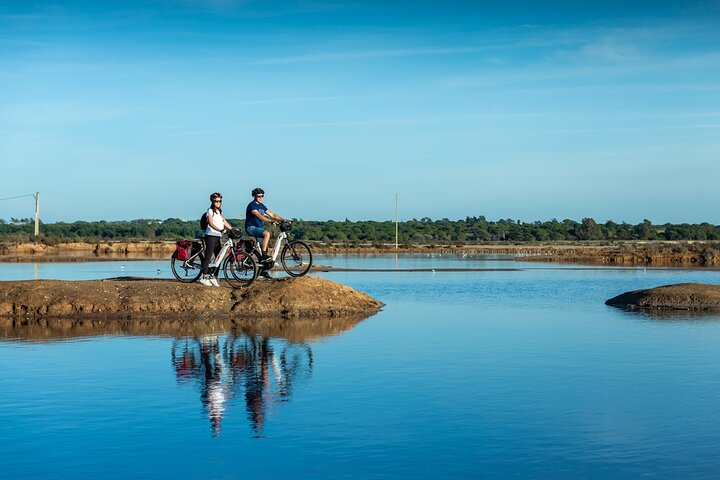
214, 282
205, 281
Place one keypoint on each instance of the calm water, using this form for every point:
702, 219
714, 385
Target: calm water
498, 374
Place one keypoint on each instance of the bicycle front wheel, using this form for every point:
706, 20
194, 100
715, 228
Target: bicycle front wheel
240, 269
187, 271
296, 258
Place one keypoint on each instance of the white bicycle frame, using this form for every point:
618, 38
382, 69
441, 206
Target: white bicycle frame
276, 249
221, 256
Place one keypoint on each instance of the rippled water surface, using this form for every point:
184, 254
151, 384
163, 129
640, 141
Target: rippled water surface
517, 371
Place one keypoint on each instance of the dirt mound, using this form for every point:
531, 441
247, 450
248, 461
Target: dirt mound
300, 297
682, 296
128, 297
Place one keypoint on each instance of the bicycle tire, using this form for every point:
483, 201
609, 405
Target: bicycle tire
240, 269
296, 258
186, 271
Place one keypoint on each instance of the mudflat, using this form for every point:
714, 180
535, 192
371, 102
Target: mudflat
681, 296
304, 297
625, 253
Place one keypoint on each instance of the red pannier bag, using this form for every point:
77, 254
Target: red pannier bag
183, 248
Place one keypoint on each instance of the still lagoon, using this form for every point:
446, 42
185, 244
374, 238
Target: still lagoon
504, 370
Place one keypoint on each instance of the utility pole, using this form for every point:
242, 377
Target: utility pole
37, 213
396, 221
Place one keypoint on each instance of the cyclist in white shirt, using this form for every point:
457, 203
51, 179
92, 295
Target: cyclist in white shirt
216, 225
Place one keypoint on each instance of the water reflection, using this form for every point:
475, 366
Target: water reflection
299, 330
671, 315
257, 362
261, 370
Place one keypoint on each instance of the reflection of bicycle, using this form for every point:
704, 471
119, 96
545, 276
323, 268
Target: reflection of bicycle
264, 371
238, 266
296, 257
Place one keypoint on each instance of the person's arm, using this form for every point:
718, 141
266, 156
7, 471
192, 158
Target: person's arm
265, 218
274, 216
227, 225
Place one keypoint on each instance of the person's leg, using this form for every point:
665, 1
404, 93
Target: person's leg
216, 252
265, 242
212, 246
262, 236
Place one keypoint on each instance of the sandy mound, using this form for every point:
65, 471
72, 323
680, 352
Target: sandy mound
302, 297
683, 296
126, 297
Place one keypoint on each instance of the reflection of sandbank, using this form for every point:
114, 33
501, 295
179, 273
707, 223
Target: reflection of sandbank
668, 316
296, 330
300, 329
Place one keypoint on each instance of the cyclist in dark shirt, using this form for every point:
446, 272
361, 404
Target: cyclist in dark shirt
256, 216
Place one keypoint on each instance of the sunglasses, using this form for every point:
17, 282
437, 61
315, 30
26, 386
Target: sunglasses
261, 195
217, 200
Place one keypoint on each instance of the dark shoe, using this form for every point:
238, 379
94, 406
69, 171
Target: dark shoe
267, 262
264, 273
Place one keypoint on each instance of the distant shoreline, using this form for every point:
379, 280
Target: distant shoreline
626, 253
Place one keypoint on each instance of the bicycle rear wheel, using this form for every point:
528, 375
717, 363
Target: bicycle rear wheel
296, 258
239, 269
187, 271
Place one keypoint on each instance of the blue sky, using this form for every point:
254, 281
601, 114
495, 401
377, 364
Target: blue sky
523, 110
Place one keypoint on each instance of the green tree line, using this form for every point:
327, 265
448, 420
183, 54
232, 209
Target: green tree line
423, 231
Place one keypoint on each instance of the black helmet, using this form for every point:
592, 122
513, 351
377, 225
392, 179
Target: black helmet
257, 191
214, 196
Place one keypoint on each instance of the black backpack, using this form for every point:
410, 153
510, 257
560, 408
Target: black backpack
203, 221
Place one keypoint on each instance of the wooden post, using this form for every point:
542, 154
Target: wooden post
37, 213
396, 221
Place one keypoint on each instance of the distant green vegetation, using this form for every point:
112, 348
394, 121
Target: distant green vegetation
424, 231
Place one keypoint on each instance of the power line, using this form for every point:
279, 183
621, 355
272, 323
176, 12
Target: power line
19, 196
36, 196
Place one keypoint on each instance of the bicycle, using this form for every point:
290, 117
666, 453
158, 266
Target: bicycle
296, 257
264, 371
239, 267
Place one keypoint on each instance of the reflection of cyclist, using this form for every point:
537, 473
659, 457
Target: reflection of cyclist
203, 361
257, 384
185, 363
245, 364
216, 224
216, 384
256, 216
